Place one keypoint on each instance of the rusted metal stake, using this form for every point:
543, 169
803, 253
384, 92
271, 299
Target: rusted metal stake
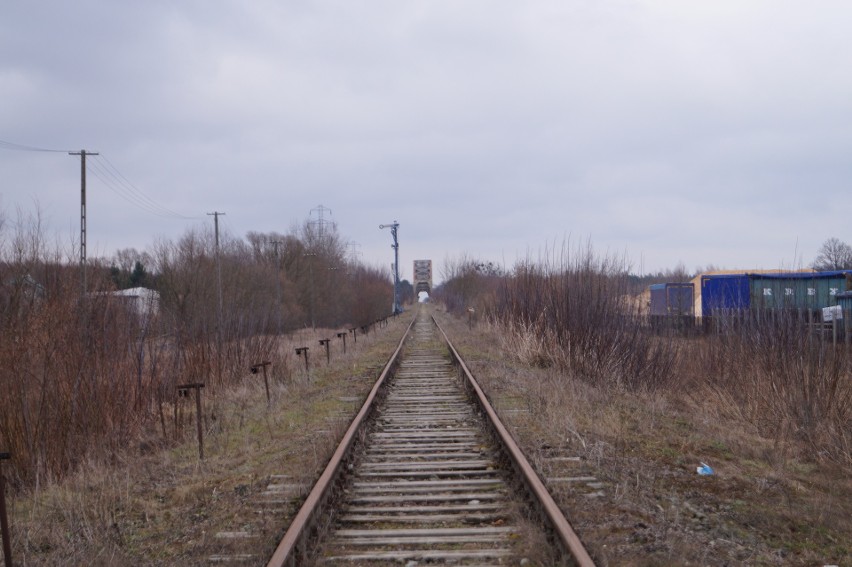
325, 343
342, 336
178, 415
304, 351
4, 519
354, 332
185, 392
198, 421
263, 365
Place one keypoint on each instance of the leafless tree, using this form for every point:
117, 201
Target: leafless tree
834, 254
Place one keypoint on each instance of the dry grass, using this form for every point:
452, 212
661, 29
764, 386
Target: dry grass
790, 386
154, 502
768, 503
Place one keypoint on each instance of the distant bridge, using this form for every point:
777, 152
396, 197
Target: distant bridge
422, 276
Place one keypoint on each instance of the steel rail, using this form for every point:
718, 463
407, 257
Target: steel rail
566, 535
293, 545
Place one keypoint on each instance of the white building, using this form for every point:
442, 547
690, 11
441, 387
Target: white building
145, 302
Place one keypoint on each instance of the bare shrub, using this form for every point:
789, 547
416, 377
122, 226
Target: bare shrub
767, 369
572, 309
469, 283
86, 375
64, 363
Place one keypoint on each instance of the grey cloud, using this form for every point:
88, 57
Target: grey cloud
504, 124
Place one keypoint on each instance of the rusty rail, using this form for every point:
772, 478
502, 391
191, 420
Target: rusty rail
565, 534
293, 547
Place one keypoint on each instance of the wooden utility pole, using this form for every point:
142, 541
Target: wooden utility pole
215, 215
83, 154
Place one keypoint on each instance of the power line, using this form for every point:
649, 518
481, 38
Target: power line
102, 174
123, 187
114, 180
104, 170
5, 145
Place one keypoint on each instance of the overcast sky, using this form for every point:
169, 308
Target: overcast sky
675, 131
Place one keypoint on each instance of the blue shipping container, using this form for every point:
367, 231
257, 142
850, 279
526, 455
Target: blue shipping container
672, 299
724, 292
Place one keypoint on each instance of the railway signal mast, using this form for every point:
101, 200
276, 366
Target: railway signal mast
394, 227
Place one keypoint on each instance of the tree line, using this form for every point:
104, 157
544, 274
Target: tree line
269, 282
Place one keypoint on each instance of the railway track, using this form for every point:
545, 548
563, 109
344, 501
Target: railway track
431, 476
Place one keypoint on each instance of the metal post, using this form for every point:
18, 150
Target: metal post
342, 336
198, 421
394, 227
810, 325
183, 390
304, 351
4, 519
325, 343
263, 365
354, 332
177, 421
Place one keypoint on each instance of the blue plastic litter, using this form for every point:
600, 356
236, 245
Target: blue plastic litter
704, 470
